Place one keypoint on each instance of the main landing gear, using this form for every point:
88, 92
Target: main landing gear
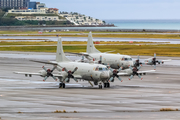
100, 86
107, 85
62, 85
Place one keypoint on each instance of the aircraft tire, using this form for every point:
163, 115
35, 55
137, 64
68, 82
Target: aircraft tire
60, 85
100, 86
105, 85
108, 85
64, 85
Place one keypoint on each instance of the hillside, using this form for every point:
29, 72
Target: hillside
10, 20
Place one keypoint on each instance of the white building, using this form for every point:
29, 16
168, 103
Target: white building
33, 11
40, 18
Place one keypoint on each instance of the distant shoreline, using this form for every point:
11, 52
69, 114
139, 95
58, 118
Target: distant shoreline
37, 26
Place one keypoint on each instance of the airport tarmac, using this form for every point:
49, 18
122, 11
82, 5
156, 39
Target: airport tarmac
24, 38
30, 98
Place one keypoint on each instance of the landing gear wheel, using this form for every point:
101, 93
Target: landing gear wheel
60, 85
64, 85
100, 86
105, 85
108, 85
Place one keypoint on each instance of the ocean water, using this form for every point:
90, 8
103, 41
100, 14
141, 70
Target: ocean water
128, 24
146, 24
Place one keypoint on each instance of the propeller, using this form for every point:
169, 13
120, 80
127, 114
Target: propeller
49, 73
115, 74
134, 72
70, 74
154, 61
137, 63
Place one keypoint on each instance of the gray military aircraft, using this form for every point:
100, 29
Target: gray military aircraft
115, 61
154, 61
67, 70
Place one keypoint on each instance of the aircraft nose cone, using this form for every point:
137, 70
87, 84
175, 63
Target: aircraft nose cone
104, 75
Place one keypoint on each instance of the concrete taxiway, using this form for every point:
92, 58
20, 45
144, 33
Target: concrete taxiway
30, 98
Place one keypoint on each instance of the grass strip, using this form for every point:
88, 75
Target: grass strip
172, 50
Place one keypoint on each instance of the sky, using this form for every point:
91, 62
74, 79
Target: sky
119, 9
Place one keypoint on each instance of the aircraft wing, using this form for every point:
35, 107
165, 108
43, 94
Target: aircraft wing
147, 71
165, 60
110, 51
85, 54
80, 54
121, 74
78, 76
48, 62
28, 73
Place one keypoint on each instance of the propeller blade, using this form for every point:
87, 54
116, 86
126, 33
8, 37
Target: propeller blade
111, 70
44, 68
111, 79
131, 77
130, 67
65, 70
66, 79
138, 57
45, 78
54, 78
53, 68
140, 77
75, 79
155, 67
154, 55
120, 79
101, 58
120, 69
139, 67
75, 69
82, 57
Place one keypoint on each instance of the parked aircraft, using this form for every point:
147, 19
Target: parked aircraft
96, 73
115, 61
154, 61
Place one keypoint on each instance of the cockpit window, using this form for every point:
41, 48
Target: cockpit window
103, 69
100, 69
126, 59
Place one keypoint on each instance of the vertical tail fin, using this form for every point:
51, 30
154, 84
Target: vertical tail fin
60, 56
90, 45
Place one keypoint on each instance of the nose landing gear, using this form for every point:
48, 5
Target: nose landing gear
107, 85
62, 85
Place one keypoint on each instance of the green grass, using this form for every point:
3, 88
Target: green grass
161, 50
76, 34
